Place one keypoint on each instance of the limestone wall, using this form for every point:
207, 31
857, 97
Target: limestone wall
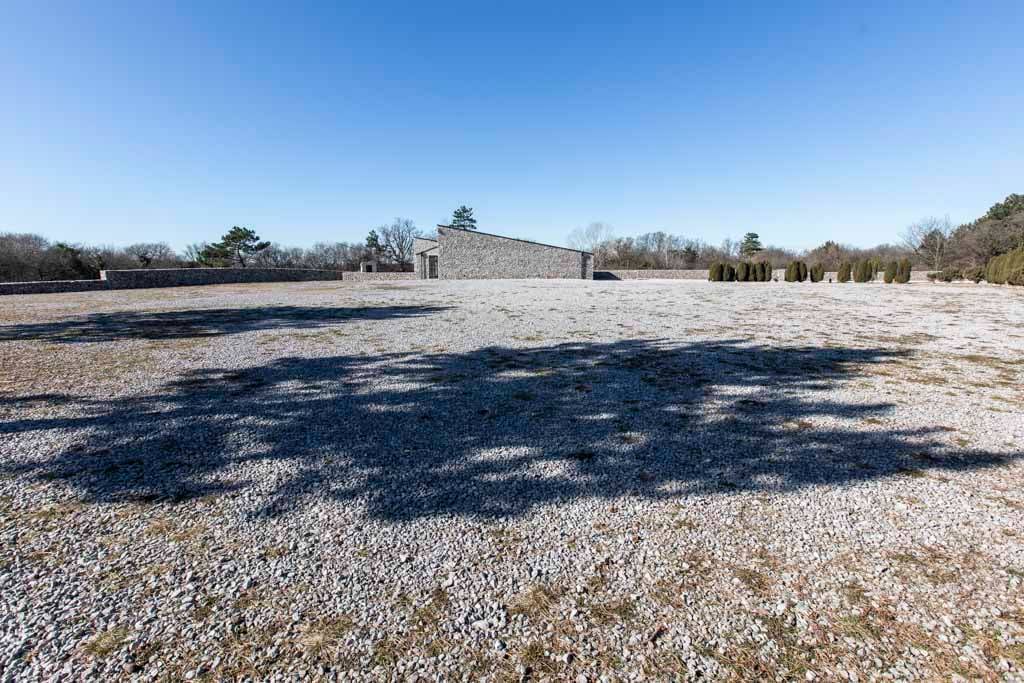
51, 287
371, 277
186, 277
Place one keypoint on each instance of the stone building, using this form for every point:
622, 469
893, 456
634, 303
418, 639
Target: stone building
459, 254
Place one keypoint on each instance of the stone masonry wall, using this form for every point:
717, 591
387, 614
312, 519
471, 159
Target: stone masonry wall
51, 287
915, 276
650, 275
174, 277
371, 277
184, 277
467, 255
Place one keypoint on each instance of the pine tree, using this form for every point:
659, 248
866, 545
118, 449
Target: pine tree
751, 245
235, 247
463, 218
844, 272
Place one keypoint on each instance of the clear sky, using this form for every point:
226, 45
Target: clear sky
147, 121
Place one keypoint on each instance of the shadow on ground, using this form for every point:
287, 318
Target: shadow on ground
494, 432
199, 322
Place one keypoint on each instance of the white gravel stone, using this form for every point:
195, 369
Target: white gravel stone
561, 480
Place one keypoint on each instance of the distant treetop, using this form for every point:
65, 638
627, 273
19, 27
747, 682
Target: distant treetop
751, 245
463, 218
235, 248
1006, 208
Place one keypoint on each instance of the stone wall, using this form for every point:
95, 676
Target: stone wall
51, 287
915, 276
650, 275
178, 277
371, 277
469, 255
186, 277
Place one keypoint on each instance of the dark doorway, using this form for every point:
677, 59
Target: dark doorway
432, 267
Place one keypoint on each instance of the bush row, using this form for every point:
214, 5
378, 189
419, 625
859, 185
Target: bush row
797, 271
1007, 269
741, 272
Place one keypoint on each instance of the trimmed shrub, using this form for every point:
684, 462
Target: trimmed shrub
844, 272
890, 272
975, 274
947, 275
715, 272
729, 273
743, 272
818, 272
903, 270
862, 271
876, 268
796, 271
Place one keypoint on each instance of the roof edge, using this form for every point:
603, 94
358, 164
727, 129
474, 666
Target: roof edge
516, 239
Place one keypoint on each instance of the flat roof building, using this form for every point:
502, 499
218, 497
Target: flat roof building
459, 254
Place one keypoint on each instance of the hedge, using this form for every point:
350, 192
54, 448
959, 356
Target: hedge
844, 272
1007, 269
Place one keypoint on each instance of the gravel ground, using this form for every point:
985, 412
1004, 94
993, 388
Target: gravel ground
513, 481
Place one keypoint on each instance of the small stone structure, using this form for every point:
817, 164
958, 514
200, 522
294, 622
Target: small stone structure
459, 254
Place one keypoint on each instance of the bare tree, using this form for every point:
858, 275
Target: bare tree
22, 256
929, 239
150, 253
395, 240
591, 238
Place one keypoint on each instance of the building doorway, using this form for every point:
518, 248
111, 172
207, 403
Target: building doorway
432, 267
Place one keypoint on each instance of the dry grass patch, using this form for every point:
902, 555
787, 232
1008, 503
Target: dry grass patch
539, 601
323, 639
103, 644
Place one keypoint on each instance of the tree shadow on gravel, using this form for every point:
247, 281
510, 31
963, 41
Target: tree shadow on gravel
194, 323
494, 432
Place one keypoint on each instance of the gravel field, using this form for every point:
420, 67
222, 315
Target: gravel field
497, 480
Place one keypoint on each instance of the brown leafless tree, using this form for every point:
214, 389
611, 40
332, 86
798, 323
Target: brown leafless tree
396, 240
929, 239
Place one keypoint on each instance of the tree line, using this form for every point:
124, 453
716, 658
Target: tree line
665, 251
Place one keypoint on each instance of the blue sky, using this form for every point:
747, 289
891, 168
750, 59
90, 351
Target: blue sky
147, 121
